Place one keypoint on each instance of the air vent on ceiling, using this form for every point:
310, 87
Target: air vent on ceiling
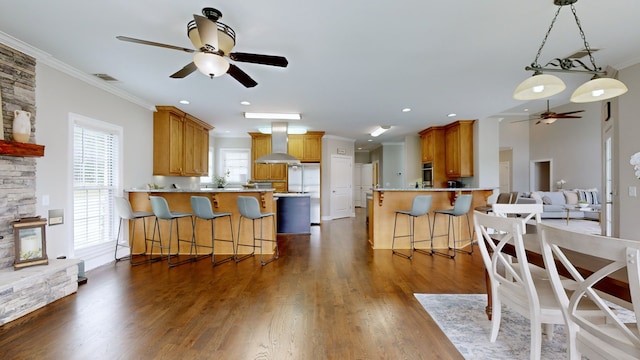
105, 77
581, 53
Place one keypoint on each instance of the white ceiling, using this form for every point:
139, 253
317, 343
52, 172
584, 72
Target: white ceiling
353, 65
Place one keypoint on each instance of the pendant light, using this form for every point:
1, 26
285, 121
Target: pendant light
542, 85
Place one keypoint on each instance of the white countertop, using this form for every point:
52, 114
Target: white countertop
207, 190
432, 189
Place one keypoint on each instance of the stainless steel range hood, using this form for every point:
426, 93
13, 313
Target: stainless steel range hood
278, 147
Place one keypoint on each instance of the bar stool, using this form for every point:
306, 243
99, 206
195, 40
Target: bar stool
162, 212
420, 207
202, 209
460, 207
126, 213
250, 209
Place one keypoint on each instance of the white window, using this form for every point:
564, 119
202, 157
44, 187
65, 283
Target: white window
96, 179
237, 162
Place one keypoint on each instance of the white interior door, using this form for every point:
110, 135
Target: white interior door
341, 186
505, 176
357, 186
366, 177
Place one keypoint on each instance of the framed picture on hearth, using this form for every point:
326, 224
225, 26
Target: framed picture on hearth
30, 242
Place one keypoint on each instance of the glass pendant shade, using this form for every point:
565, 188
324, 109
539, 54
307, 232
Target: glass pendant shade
539, 86
598, 89
211, 64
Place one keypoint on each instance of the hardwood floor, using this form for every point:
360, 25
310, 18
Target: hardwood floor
329, 296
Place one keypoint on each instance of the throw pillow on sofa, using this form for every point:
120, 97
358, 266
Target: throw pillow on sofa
546, 200
571, 197
588, 195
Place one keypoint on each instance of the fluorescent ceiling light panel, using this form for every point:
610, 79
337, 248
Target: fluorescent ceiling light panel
380, 130
290, 130
272, 116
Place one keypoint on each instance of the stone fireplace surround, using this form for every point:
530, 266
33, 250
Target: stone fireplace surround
28, 289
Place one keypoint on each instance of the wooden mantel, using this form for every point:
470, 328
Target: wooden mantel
14, 148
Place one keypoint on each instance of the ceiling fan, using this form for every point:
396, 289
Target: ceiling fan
549, 117
213, 42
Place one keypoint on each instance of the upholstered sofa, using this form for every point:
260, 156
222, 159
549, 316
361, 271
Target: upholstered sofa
555, 203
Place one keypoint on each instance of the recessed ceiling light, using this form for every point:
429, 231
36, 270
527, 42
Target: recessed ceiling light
185, 102
452, 115
278, 116
406, 110
245, 102
369, 140
526, 110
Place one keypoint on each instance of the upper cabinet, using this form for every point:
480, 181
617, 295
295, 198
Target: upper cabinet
432, 141
459, 149
306, 147
180, 143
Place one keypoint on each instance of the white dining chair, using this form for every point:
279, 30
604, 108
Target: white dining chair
613, 339
501, 244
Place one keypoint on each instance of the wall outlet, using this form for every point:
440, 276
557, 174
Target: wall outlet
632, 191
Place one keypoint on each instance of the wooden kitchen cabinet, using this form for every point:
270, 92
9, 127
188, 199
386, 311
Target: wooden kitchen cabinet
459, 149
306, 147
433, 151
260, 146
432, 144
180, 143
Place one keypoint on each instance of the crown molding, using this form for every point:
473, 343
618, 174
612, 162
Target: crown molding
47, 59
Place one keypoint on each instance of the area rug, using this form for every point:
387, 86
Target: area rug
462, 318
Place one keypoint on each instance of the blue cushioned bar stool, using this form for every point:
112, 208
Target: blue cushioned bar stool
249, 208
162, 212
420, 207
460, 208
126, 213
202, 209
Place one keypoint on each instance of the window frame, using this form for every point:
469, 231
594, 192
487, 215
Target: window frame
220, 168
103, 247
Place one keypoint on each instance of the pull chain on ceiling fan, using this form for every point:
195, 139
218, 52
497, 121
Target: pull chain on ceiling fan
214, 41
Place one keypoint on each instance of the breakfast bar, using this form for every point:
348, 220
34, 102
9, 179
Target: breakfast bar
385, 202
222, 200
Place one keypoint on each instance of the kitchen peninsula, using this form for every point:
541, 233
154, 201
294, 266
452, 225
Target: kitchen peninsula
222, 200
385, 202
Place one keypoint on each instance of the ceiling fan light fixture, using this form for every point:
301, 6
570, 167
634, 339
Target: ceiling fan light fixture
210, 64
598, 89
539, 86
548, 121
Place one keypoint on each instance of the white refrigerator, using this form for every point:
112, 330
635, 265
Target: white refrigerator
305, 178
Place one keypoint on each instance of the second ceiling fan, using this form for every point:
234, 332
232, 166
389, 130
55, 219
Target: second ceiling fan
214, 41
549, 117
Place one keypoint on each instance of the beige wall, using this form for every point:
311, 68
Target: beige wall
628, 144
57, 95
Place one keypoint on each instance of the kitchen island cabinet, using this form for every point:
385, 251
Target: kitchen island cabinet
294, 213
222, 200
385, 202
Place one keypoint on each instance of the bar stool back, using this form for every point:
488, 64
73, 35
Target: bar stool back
162, 212
126, 213
420, 206
460, 208
202, 209
249, 208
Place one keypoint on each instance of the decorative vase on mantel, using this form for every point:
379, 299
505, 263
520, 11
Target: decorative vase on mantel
22, 126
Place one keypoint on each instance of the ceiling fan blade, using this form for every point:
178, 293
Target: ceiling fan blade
260, 59
152, 43
241, 76
571, 112
208, 32
186, 70
569, 117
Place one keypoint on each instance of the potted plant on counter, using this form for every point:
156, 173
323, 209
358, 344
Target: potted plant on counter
221, 181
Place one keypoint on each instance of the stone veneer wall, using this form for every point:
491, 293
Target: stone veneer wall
17, 174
